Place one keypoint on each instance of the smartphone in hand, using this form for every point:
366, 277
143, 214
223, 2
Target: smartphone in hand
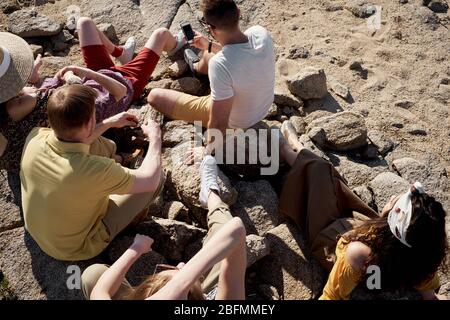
188, 31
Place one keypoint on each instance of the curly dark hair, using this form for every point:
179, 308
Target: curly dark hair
401, 266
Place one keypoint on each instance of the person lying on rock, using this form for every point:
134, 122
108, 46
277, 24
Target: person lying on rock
407, 242
222, 259
17, 118
117, 86
76, 198
241, 69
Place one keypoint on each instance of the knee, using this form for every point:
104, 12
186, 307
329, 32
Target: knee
90, 277
84, 22
161, 33
154, 97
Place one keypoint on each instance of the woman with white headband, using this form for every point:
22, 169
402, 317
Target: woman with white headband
408, 241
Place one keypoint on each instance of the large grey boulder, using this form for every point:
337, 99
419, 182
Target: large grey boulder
310, 83
385, 185
257, 206
142, 17
176, 132
187, 85
284, 70
184, 182
29, 23
257, 248
341, 131
356, 173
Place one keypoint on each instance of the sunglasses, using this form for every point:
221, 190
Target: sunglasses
206, 24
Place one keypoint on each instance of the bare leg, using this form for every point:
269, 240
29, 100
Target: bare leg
163, 100
288, 154
161, 41
214, 200
290, 146
202, 66
106, 42
88, 33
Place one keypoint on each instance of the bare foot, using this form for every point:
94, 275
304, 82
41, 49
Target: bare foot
288, 131
35, 77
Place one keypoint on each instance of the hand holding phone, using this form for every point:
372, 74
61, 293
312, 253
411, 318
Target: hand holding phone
188, 31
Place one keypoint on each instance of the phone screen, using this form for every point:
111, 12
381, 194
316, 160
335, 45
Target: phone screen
188, 32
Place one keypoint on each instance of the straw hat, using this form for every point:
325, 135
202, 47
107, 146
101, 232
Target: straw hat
16, 65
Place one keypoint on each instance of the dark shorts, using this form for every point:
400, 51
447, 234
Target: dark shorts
138, 70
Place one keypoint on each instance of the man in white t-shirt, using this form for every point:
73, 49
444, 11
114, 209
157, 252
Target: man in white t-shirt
241, 69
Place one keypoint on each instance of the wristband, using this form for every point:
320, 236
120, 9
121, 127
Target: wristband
210, 46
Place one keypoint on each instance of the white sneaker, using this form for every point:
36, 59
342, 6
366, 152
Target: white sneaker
181, 42
208, 173
128, 51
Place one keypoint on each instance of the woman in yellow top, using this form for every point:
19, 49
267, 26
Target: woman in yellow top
407, 241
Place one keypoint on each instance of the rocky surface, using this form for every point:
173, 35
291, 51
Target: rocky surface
184, 181
257, 206
10, 216
29, 23
355, 100
289, 268
385, 185
341, 132
310, 83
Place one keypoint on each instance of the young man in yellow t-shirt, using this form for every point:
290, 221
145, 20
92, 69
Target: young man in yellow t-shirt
76, 198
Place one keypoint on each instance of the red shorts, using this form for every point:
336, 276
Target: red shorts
138, 70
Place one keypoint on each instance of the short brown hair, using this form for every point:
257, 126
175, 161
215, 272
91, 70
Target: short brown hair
71, 107
221, 14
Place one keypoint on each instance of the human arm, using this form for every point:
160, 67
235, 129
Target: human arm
347, 271
124, 119
110, 281
222, 99
224, 244
232, 274
218, 119
117, 89
201, 42
22, 105
148, 175
389, 205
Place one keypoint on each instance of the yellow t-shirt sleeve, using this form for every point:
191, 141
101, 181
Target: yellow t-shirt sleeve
430, 285
114, 178
342, 279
